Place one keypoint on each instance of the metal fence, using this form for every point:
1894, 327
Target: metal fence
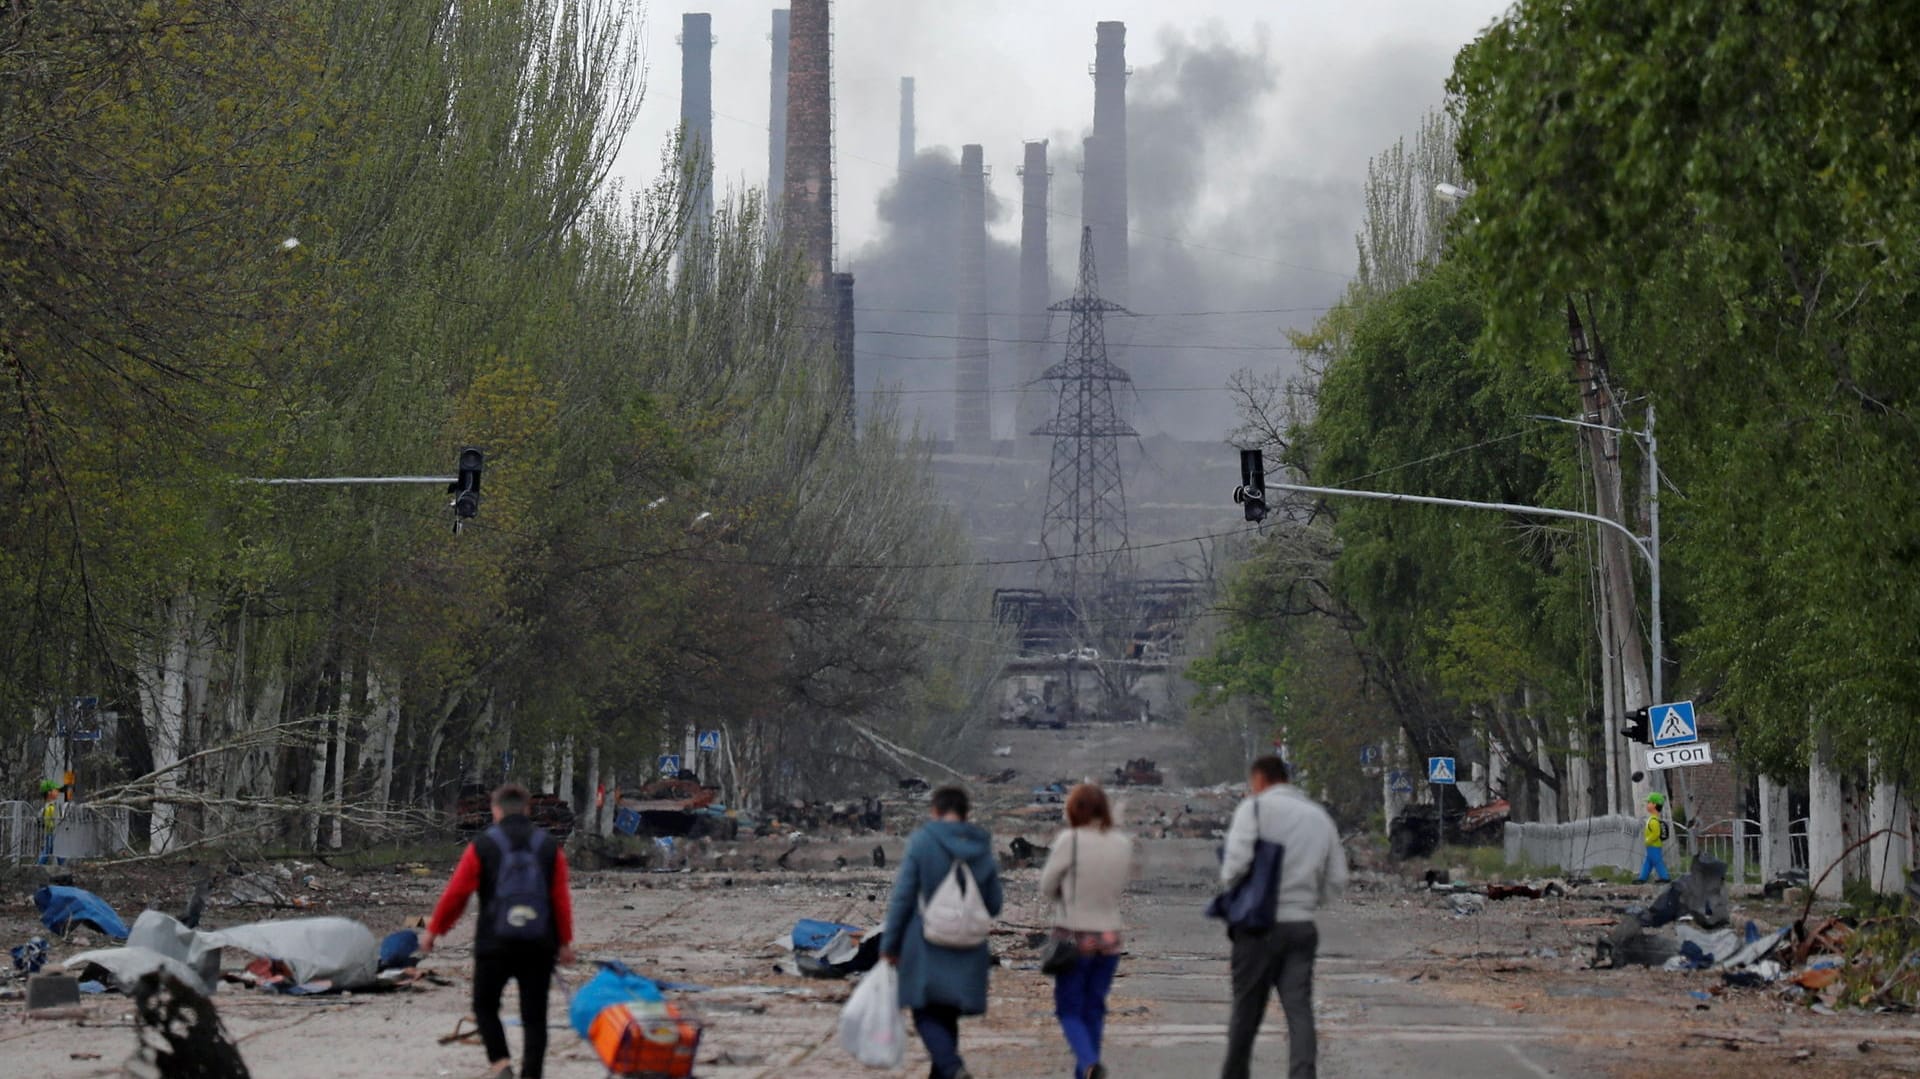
1735, 842
83, 832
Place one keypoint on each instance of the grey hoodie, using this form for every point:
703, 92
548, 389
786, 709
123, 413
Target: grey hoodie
1314, 868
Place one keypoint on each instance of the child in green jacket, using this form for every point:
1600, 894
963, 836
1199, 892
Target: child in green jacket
1655, 834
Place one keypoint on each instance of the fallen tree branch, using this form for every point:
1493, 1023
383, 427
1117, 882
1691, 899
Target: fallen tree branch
895, 751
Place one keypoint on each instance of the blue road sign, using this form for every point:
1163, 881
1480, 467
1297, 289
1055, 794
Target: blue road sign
1440, 770
670, 764
709, 741
1369, 755
1398, 783
1673, 724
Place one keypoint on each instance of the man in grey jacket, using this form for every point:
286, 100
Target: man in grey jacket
1313, 869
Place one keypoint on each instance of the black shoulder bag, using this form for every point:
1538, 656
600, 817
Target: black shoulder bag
1063, 950
1247, 907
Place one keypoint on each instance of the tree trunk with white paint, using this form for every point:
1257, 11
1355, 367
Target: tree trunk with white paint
591, 812
1889, 856
1826, 806
1776, 830
565, 788
343, 726
163, 698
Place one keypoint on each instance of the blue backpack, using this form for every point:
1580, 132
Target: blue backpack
522, 907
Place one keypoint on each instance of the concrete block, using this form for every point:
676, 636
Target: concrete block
52, 989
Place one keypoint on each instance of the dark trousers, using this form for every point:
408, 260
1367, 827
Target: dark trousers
1281, 958
1080, 1003
939, 1028
533, 970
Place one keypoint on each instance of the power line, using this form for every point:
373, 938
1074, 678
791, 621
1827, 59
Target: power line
1170, 346
1116, 314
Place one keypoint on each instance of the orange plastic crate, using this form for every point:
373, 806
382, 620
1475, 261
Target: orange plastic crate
645, 1041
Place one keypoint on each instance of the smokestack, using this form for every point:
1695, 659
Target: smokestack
972, 424
696, 111
906, 122
1109, 168
807, 213
777, 116
1032, 410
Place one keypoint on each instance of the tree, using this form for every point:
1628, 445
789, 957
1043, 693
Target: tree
1729, 186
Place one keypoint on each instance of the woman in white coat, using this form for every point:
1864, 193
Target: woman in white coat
1085, 874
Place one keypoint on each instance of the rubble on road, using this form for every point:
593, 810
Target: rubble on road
1139, 772
1419, 828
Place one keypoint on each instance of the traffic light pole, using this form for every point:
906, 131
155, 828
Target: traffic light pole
344, 481
465, 487
1648, 547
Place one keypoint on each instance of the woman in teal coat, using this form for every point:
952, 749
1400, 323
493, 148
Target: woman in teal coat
941, 984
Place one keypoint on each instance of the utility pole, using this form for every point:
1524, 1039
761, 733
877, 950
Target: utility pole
1638, 688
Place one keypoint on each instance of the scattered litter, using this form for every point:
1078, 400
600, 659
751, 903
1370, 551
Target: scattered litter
28, 958
833, 949
1465, 903
1023, 853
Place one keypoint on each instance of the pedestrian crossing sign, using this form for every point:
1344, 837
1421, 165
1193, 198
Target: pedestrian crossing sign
709, 741
1673, 724
670, 764
1440, 770
1398, 783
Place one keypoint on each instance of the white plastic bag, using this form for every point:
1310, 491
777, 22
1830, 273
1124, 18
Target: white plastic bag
872, 1030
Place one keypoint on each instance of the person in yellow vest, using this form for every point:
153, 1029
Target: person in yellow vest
49, 821
1655, 835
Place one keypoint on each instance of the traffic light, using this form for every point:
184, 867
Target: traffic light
1639, 728
465, 489
1252, 492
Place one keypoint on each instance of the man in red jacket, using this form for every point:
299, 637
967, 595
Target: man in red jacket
526, 922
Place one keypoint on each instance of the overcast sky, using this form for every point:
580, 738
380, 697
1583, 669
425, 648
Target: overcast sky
1285, 103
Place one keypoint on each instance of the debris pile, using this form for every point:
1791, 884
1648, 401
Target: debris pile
1139, 772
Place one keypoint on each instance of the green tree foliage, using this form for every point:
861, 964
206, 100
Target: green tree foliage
1731, 186
1356, 621
243, 239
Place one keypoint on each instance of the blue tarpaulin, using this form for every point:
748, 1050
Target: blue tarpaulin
399, 950
62, 908
616, 983
812, 934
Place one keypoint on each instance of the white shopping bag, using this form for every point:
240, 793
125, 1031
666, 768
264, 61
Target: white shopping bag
872, 1030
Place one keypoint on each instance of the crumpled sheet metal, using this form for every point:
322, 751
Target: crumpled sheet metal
340, 951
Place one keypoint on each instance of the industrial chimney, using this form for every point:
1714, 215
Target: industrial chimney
777, 116
1033, 403
1109, 168
906, 122
972, 420
696, 114
807, 210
